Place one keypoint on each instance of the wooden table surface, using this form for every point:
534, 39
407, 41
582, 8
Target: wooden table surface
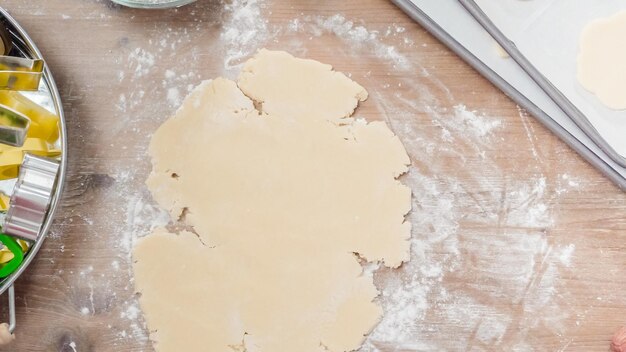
518, 244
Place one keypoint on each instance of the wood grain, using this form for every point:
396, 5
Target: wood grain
78, 294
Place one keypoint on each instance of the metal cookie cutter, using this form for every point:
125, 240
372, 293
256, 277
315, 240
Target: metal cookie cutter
5, 40
11, 158
31, 197
18, 73
43, 123
13, 126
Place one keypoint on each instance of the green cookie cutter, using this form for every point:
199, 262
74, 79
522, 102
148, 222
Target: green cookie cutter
18, 256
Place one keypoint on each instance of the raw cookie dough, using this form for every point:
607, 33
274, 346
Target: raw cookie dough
299, 89
602, 60
280, 202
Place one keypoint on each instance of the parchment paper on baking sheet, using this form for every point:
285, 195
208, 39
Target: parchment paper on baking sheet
547, 33
451, 18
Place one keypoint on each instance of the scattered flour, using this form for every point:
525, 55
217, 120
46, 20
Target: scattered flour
565, 254
482, 260
141, 62
356, 36
243, 31
572, 182
173, 97
450, 212
142, 217
476, 124
131, 313
169, 74
480, 250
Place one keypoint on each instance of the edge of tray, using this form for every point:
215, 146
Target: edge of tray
554, 93
425, 21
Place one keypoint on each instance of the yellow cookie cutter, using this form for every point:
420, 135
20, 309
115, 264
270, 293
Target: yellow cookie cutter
43, 123
4, 202
11, 157
6, 255
18, 73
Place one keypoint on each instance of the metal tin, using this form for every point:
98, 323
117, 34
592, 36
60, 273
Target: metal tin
48, 96
14, 127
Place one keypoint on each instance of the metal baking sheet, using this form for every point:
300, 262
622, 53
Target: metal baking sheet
48, 97
544, 38
448, 21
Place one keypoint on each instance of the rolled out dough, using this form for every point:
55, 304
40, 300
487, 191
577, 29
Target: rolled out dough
281, 200
602, 60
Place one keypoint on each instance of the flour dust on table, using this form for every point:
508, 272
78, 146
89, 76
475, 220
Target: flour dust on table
406, 92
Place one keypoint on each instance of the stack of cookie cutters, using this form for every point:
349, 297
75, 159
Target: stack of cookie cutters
17, 74
32, 153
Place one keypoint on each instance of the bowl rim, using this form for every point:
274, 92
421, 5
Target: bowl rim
164, 4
